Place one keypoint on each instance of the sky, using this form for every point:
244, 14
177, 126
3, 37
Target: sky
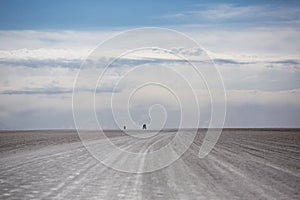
254, 44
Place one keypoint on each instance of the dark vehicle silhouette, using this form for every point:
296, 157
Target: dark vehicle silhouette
144, 127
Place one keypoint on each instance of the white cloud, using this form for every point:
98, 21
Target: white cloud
64, 39
259, 68
43, 54
227, 11
257, 97
232, 12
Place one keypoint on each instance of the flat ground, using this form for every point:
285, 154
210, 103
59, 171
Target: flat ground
245, 164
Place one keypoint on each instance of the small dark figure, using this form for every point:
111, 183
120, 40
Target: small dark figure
144, 127
124, 127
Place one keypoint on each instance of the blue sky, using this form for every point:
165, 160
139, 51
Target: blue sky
255, 45
85, 14
92, 14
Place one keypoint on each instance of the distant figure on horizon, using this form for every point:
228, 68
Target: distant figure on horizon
144, 127
124, 127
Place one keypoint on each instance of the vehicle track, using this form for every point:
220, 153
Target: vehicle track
243, 165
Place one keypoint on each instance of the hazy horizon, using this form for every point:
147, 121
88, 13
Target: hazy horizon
254, 45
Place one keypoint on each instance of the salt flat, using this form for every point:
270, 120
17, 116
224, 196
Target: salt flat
245, 164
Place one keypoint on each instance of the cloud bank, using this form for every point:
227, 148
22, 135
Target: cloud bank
260, 70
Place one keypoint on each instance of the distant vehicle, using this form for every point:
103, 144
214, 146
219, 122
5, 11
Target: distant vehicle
124, 127
144, 126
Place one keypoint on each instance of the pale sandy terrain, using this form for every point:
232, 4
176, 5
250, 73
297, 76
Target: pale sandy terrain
245, 164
